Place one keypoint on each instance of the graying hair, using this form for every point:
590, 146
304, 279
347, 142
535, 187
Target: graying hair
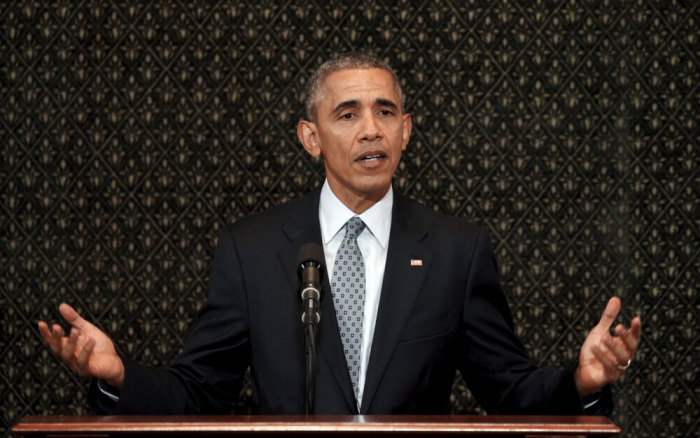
338, 62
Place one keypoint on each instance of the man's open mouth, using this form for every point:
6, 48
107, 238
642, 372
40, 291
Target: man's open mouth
373, 156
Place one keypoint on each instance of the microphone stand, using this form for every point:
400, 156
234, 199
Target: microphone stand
310, 340
310, 319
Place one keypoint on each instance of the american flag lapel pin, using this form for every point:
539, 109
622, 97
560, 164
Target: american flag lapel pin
416, 262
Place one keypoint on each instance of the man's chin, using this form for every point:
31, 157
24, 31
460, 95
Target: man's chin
375, 189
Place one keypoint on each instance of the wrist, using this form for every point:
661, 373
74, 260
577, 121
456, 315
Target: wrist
118, 379
583, 389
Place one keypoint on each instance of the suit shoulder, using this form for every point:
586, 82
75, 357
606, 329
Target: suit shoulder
276, 217
437, 220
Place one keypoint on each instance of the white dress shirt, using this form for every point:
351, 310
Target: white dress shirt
373, 243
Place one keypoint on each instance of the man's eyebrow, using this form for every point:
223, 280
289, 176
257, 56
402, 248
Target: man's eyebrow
381, 101
386, 102
346, 104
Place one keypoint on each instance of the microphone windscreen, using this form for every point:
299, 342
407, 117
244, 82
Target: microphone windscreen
310, 252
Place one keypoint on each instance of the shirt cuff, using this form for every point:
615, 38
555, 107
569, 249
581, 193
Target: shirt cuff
108, 390
591, 401
600, 403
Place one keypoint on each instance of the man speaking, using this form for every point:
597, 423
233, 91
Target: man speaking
410, 295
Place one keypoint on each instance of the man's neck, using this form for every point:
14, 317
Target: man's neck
358, 202
333, 214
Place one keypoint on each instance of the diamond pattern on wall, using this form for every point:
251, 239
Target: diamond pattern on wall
130, 132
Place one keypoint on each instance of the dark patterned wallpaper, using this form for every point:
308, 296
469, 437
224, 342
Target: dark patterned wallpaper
131, 131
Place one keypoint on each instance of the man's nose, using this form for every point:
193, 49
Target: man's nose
370, 128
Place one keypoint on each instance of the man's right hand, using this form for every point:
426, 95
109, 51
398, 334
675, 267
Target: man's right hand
87, 350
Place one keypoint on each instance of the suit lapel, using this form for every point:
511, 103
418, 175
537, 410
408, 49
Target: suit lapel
304, 228
403, 280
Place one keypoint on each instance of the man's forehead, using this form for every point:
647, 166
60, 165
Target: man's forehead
356, 84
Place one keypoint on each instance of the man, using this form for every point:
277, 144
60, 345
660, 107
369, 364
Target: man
425, 298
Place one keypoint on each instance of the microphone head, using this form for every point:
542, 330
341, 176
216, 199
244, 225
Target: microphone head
310, 252
309, 262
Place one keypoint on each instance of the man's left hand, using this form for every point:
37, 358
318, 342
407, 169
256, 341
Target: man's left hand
605, 357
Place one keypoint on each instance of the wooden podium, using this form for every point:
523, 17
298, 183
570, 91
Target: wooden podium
266, 425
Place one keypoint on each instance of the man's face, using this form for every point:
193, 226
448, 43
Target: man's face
360, 132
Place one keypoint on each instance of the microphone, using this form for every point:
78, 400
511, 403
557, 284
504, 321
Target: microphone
309, 268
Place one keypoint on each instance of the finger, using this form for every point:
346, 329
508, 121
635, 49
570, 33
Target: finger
612, 309
68, 350
83, 360
627, 338
636, 327
630, 337
619, 350
71, 316
46, 336
44, 331
56, 331
55, 339
604, 356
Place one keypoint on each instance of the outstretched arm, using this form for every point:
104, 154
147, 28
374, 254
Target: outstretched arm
605, 357
87, 350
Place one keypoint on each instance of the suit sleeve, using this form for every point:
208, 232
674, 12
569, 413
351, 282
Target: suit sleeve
206, 377
493, 361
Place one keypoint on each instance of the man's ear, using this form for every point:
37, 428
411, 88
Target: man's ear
407, 126
308, 136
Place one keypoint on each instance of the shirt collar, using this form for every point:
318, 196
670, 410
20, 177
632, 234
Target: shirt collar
333, 214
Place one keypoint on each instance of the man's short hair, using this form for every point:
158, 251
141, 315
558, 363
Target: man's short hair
338, 62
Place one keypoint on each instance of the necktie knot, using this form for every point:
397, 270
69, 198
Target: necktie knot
353, 227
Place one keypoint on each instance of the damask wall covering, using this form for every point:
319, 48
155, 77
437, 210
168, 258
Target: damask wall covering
132, 131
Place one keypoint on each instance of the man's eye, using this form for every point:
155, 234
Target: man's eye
347, 116
385, 112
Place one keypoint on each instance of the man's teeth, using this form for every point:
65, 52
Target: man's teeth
372, 157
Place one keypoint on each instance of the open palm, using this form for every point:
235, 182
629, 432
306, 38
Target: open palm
87, 349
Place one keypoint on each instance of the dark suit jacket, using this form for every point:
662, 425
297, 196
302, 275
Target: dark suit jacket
450, 313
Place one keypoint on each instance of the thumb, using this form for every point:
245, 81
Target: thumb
612, 309
72, 317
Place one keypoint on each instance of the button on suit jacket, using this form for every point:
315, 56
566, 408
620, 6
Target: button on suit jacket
446, 312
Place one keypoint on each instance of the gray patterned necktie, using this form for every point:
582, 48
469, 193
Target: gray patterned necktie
349, 296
